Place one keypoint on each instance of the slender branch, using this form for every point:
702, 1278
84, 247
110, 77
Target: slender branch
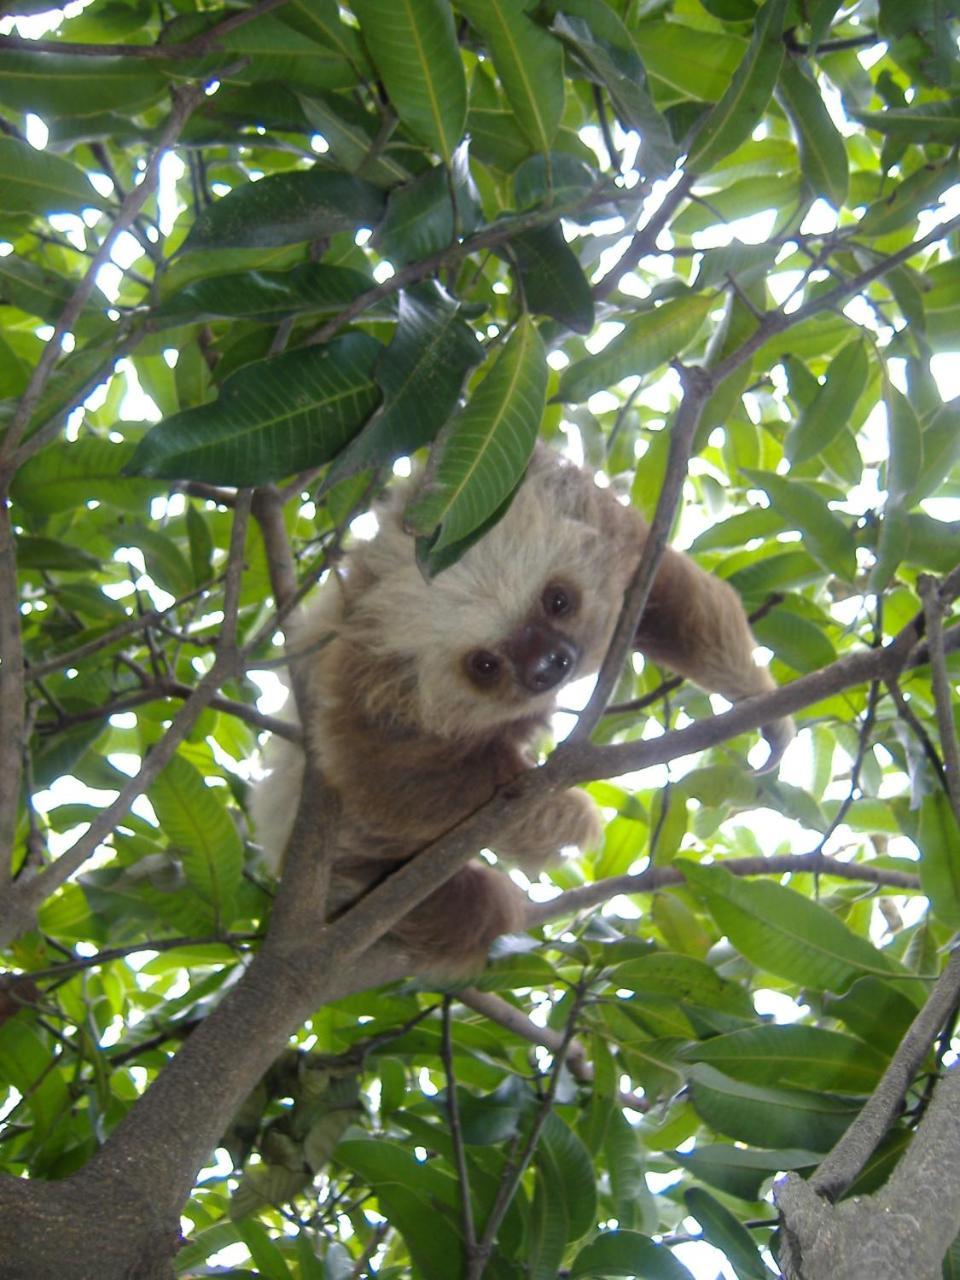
516, 1021
11, 694
910, 718
645, 238
654, 878
109, 954
20, 904
185, 102
933, 609
456, 1135
517, 1167
860, 1141
37, 670
698, 387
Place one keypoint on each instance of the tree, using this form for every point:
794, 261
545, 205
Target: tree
209, 365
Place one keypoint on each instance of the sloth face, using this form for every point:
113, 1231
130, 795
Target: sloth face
494, 638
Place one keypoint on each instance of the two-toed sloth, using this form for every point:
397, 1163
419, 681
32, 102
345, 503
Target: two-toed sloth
429, 694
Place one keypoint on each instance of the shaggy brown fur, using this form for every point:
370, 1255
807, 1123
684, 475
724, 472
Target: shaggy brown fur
431, 694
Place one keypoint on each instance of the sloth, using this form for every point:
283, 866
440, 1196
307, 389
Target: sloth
428, 694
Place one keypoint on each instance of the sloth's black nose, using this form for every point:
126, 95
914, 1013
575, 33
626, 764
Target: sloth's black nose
542, 658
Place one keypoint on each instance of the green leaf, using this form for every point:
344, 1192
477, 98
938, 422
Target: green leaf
615, 63
940, 442
907, 197
419, 220
72, 85
627, 1253
933, 121
763, 1115
484, 450
939, 840
647, 341
905, 447
273, 417
797, 641
687, 61
351, 134
726, 1233
51, 553
266, 295
734, 117
413, 44
38, 182
823, 155
741, 1171
552, 278
65, 477
807, 1057
683, 978
528, 62
421, 374
782, 932
824, 418
801, 507
285, 208
194, 820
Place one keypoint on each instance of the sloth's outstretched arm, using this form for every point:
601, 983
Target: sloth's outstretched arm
694, 624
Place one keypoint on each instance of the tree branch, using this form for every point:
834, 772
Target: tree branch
11, 696
859, 1142
933, 610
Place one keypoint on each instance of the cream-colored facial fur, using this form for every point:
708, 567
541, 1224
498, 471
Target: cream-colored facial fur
428, 692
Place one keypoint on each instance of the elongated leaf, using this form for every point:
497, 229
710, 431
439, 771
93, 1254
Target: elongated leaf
286, 208
528, 62
901, 204
272, 417
350, 132
808, 1057
627, 1253
688, 62
266, 295
939, 841
734, 117
34, 289
422, 218
785, 933
797, 641
37, 182
905, 447
684, 978
485, 450
552, 278
414, 46
823, 155
51, 553
648, 341
741, 1171
201, 831
801, 507
421, 374
726, 1233
64, 84
767, 1116
824, 418
934, 121
941, 452
615, 63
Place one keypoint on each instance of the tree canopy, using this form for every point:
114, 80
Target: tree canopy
253, 258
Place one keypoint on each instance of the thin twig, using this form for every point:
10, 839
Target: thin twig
20, 904
933, 609
11, 693
185, 102
456, 1134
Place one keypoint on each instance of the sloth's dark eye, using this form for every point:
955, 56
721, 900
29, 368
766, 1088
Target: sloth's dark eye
483, 665
556, 601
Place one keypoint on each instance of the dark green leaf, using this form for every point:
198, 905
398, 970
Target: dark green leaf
552, 278
734, 117
266, 295
627, 1253
421, 374
484, 451
414, 46
272, 417
726, 1233
286, 208
823, 155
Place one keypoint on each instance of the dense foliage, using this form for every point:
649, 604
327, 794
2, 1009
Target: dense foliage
295, 241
